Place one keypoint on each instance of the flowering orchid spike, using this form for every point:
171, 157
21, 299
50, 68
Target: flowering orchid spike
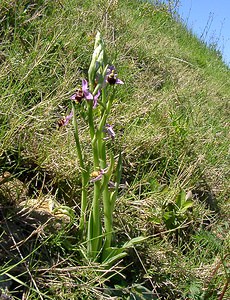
82, 93
111, 76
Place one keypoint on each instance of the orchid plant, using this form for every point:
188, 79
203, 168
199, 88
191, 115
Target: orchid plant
96, 217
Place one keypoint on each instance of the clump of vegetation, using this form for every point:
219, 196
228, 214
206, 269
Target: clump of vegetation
171, 122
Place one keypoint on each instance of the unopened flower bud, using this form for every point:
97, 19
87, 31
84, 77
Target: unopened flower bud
188, 196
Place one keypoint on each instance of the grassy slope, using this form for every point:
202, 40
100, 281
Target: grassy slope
172, 123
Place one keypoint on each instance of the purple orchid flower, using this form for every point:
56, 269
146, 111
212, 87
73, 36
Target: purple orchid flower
82, 93
111, 76
95, 98
108, 129
68, 118
64, 121
97, 175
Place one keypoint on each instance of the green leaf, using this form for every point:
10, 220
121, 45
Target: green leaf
187, 204
112, 254
155, 220
181, 199
139, 292
134, 241
168, 215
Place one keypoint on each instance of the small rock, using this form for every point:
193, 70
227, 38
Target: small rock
12, 190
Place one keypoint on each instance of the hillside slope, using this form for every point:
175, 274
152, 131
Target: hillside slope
171, 118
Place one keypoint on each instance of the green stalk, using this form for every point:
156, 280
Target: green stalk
84, 172
94, 226
100, 141
106, 110
90, 119
108, 213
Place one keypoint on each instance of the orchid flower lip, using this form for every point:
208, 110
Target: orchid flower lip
111, 76
97, 175
64, 121
82, 92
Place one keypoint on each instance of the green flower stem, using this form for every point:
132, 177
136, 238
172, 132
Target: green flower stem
108, 210
107, 109
90, 119
100, 141
94, 239
84, 172
108, 214
106, 194
94, 226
